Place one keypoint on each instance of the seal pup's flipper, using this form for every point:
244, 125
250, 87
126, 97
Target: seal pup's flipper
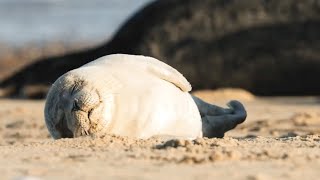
217, 120
148, 64
168, 73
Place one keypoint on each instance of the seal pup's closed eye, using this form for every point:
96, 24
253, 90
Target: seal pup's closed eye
134, 96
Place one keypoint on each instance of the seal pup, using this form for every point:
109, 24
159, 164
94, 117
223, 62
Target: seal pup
134, 96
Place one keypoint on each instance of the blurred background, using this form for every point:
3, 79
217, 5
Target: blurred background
32, 29
267, 47
38, 22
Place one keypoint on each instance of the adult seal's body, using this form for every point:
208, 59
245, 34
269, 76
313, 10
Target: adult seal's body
133, 96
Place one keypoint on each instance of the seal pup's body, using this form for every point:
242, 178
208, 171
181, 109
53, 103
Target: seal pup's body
128, 95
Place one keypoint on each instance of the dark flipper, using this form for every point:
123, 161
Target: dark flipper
217, 120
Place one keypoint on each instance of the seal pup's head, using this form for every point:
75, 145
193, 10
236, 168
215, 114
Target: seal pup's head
75, 107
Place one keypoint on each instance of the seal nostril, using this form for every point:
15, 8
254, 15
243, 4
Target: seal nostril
89, 113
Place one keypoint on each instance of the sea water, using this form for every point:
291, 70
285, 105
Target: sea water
43, 21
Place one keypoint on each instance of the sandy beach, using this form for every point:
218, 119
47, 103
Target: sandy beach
279, 140
266, 47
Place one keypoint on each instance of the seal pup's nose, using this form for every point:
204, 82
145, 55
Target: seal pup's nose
83, 102
78, 105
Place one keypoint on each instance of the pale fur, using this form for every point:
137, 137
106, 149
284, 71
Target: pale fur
134, 96
138, 96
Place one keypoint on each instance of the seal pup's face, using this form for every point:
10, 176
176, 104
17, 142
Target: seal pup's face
74, 108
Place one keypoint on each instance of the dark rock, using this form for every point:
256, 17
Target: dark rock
268, 47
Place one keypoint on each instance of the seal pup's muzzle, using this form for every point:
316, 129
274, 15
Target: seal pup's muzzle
78, 106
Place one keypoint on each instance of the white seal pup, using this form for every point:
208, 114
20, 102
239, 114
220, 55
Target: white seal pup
135, 96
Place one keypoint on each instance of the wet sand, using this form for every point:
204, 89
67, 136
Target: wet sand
279, 140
